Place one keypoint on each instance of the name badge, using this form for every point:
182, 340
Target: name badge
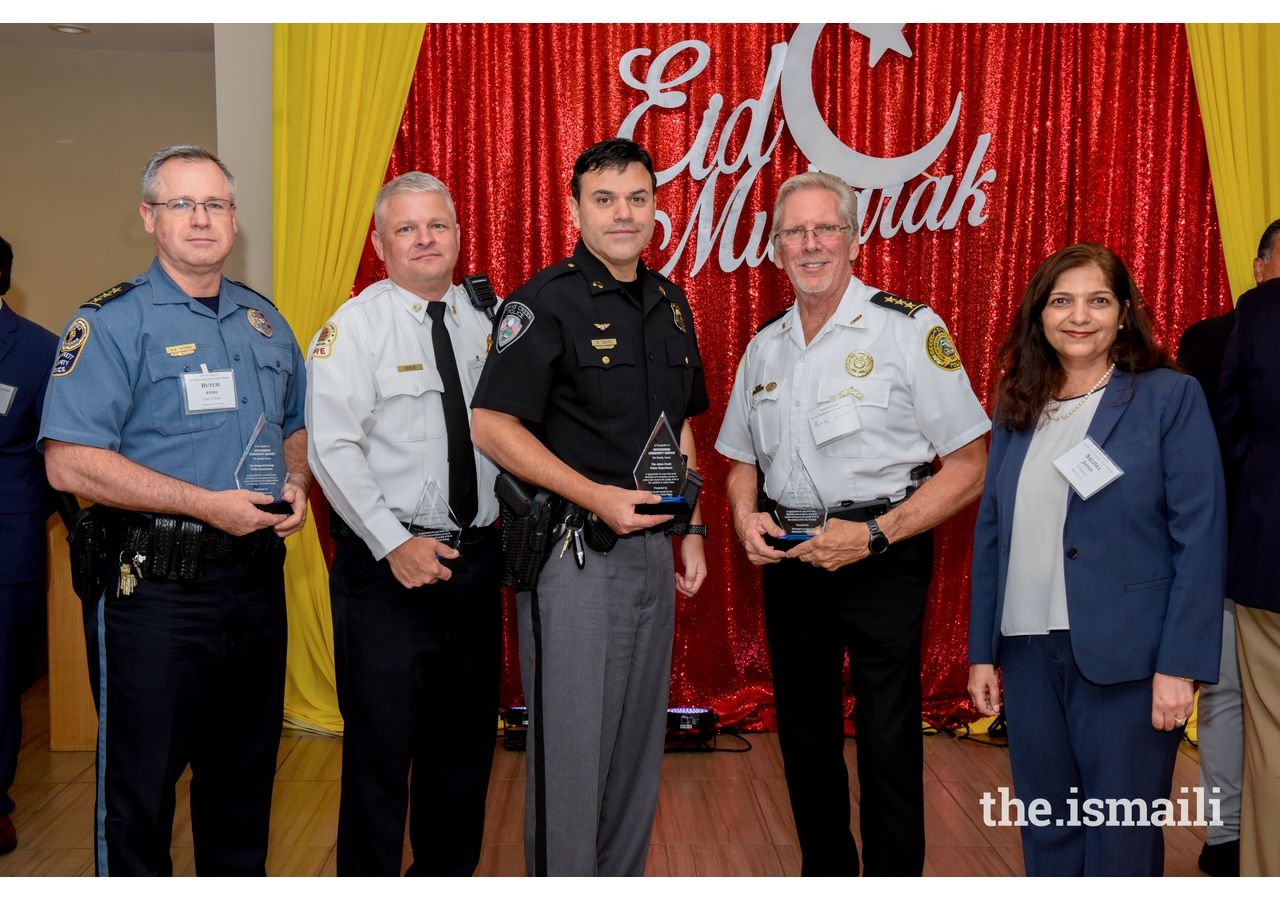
206, 391
1087, 468
834, 420
7, 393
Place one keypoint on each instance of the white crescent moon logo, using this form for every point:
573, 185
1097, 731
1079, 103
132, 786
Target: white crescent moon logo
822, 148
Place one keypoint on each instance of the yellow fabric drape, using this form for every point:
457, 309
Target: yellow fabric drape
338, 97
1236, 66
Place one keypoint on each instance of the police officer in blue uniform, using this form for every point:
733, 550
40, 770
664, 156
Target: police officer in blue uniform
26, 351
587, 355
161, 387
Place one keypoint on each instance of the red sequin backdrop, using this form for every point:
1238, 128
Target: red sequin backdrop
1090, 132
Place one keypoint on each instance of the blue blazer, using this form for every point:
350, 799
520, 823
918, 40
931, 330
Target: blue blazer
26, 358
1144, 557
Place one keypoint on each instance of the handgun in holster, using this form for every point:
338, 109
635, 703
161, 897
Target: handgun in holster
527, 513
88, 550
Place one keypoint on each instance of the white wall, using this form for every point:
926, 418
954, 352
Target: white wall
79, 125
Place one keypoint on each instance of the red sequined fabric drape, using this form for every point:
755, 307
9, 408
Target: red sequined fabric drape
1064, 133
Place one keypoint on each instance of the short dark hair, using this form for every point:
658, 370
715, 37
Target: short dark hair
615, 153
6, 265
1267, 240
1030, 372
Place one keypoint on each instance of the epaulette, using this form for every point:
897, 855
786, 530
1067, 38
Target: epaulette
108, 295
767, 322
897, 304
252, 291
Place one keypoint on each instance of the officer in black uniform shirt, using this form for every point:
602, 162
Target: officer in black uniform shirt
587, 355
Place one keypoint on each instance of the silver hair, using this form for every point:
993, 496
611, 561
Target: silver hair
845, 197
151, 174
410, 183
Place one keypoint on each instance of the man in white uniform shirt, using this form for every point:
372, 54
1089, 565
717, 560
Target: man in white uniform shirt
867, 388
415, 586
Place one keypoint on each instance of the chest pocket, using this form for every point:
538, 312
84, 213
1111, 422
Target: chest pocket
168, 405
413, 405
275, 368
766, 419
610, 384
683, 362
873, 413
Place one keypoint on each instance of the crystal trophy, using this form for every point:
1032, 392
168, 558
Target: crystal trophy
261, 468
433, 518
663, 470
799, 510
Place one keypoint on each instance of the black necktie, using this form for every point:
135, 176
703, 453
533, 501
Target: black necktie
462, 461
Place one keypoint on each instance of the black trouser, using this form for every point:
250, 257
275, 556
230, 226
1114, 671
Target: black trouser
191, 673
22, 634
874, 609
418, 674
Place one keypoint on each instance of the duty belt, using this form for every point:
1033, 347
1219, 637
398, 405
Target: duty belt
156, 545
849, 510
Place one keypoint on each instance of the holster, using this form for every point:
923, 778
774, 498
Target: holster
527, 514
90, 567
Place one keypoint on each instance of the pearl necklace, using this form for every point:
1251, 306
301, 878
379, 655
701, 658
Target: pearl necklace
1054, 417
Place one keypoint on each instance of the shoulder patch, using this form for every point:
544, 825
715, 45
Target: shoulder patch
108, 295
515, 320
769, 321
252, 291
325, 338
941, 349
72, 343
897, 304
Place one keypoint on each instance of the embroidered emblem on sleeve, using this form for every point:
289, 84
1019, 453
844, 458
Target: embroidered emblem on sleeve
516, 321
941, 350
324, 342
74, 341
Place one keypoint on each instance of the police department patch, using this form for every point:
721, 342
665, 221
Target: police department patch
323, 345
258, 319
72, 344
516, 321
941, 350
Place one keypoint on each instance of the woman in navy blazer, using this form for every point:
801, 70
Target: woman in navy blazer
1101, 627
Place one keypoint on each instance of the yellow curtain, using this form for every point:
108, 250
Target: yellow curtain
1236, 67
338, 97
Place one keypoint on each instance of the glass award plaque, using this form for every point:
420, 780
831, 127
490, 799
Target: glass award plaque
433, 518
261, 468
663, 470
800, 510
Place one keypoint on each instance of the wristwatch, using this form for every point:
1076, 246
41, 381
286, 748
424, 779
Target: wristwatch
683, 528
878, 543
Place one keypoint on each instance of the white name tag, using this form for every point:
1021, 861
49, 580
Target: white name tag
209, 391
1087, 468
7, 393
834, 420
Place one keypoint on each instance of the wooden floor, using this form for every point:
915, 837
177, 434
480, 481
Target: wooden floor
718, 814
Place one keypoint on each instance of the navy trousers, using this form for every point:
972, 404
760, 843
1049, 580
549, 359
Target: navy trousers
1072, 741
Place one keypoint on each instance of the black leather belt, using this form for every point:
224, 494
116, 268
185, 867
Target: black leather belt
849, 510
464, 538
341, 531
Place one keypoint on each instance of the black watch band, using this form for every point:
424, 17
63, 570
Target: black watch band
878, 543
684, 528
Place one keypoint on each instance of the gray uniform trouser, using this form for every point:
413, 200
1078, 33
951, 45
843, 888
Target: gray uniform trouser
595, 658
1220, 730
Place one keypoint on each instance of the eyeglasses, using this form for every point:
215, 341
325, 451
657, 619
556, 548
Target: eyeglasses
185, 206
823, 234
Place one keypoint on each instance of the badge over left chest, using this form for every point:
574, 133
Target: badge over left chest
258, 319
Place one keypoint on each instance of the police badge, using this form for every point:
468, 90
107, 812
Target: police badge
516, 319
